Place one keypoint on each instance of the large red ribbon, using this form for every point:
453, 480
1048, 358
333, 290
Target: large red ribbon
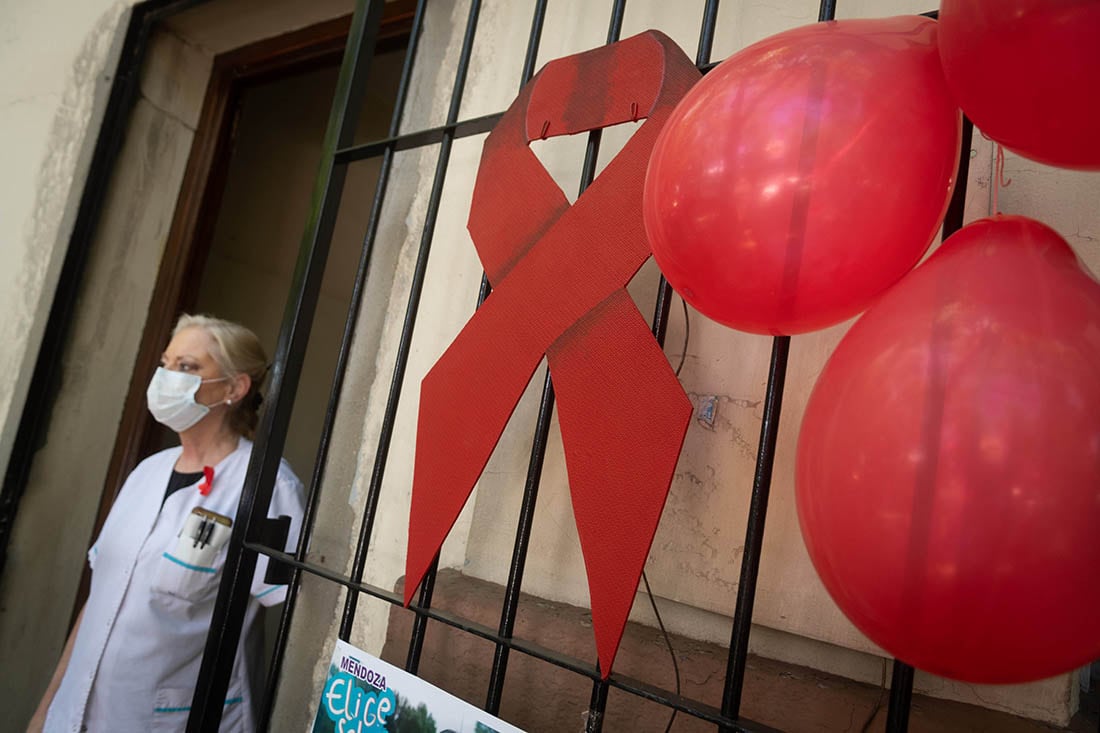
559, 273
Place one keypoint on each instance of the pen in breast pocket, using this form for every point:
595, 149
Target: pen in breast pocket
200, 535
202, 525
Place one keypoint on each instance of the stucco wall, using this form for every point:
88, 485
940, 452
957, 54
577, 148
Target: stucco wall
58, 59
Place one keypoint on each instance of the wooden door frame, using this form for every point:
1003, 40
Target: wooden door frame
191, 233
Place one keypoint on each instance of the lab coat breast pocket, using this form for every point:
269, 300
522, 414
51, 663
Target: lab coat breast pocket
187, 575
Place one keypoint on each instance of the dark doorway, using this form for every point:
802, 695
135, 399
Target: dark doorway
239, 219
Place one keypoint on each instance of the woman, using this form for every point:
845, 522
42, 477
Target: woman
132, 660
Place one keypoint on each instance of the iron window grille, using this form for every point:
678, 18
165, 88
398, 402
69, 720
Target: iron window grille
338, 153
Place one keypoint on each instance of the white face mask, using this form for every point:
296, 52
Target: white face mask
171, 398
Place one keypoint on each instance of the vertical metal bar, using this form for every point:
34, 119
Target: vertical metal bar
615, 27
233, 594
661, 309
901, 690
901, 695
420, 623
702, 58
598, 703
350, 325
754, 531
596, 706
427, 588
953, 219
519, 551
664, 290
706, 33
533, 41
405, 341
534, 468
758, 507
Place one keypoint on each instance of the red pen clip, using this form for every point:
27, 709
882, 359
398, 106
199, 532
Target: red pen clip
208, 483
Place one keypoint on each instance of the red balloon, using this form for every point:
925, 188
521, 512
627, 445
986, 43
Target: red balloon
1028, 72
805, 174
948, 471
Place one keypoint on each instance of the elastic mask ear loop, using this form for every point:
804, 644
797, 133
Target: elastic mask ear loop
218, 402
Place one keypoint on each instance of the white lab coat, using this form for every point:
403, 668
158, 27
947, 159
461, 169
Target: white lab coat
136, 658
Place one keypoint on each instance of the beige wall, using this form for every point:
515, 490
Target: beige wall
58, 58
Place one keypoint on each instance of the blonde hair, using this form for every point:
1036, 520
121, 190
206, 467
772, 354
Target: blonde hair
237, 350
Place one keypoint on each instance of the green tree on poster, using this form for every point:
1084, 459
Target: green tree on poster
407, 719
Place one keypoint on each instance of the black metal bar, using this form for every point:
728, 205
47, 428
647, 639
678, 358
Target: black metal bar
702, 59
706, 34
615, 26
350, 325
596, 707
427, 586
661, 309
510, 606
901, 695
240, 564
758, 507
420, 623
534, 39
419, 138
405, 342
598, 702
901, 691
956, 209
754, 531
519, 551
43, 388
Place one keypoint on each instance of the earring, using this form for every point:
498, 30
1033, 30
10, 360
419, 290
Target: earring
229, 402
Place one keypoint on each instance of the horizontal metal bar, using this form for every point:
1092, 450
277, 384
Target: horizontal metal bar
408, 141
434, 135
633, 686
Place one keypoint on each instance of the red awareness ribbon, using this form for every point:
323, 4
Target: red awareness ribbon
559, 274
208, 480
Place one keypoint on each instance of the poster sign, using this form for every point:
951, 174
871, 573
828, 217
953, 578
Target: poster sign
363, 694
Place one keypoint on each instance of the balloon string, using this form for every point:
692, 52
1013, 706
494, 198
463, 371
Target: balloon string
996, 181
999, 181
